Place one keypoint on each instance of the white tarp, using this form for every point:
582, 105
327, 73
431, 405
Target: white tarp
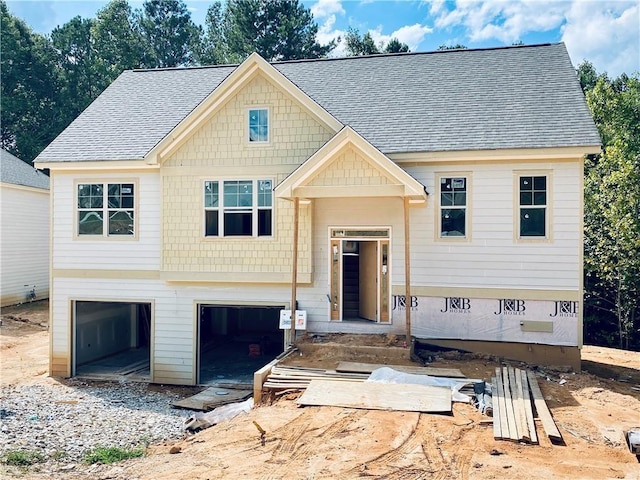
389, 375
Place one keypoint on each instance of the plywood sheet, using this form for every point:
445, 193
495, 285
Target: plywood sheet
212, 397
377, 396
356, 367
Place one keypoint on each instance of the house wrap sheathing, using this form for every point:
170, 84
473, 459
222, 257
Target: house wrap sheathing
435, 194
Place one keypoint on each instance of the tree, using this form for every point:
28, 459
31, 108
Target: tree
396, 46
276, 30
457, 46
214, 49
612, 212
118, 44
365, 45
29, 119
77, 62
169, 34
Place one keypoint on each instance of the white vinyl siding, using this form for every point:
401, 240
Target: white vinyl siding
121, 253
24, 260
493, 258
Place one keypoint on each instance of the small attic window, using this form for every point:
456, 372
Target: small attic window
258, 125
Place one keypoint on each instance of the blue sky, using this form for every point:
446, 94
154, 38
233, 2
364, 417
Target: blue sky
607, 33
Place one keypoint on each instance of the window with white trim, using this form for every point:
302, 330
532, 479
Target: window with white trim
106, 209
453, 206
533, 206
258, 125
238, 208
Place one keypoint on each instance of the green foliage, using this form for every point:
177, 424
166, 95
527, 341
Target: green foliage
117, 40
356, 45
29, 117
168, 33
275, 29
112, 454
457, 46
612, 209
22, 458
76, 62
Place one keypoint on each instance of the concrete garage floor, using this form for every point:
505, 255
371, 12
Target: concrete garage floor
228, 363
132, 364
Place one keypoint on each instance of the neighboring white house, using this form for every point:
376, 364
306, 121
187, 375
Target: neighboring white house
24, 225
435, 194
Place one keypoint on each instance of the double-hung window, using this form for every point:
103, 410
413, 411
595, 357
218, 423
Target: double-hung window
453, 207
258, 125
238, 208
106, 209
533, 206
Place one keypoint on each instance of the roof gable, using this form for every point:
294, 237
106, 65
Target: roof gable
349, 166
248, 70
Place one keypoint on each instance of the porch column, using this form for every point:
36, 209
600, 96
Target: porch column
294, 268
407, 270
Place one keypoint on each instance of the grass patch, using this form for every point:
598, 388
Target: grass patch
112, 454
22, 458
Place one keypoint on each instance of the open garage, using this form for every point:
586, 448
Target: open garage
111, 339
236, 340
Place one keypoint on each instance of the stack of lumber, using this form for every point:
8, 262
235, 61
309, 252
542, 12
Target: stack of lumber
300, 377
515, 393
282, 377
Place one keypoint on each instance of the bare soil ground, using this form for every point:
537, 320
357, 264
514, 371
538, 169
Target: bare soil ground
592, 409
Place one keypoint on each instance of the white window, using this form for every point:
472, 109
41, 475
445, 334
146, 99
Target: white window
453, 207
106, 209
533, 206
258, 125
238, 208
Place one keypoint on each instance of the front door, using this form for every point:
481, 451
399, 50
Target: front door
368, 268
359, 280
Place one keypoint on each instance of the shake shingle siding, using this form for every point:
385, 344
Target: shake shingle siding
516, 97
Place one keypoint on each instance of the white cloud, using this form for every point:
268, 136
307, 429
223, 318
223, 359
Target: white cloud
603, 32
412, 35
502, 20
326, 9
607, 34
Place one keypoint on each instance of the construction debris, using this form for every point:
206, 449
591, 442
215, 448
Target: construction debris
377, 396
633, 440
515, 392
200, 421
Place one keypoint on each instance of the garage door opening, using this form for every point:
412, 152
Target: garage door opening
112, 339
236, 340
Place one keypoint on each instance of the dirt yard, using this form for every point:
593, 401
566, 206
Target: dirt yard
592, 409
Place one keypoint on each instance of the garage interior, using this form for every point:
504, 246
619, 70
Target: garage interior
112, 339
236, 340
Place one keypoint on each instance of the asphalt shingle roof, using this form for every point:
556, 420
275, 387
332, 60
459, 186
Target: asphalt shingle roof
514, 97
15, 171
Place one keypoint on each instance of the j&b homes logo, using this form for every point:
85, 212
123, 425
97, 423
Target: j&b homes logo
456, 305
509, 306
400, 302
565, 308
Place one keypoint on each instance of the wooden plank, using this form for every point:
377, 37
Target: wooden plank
508, 400
518, 405
377, 396
259, 378
504, 424
527, 406
544, 414
497, 432
212, 397
521, 418
357, 367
